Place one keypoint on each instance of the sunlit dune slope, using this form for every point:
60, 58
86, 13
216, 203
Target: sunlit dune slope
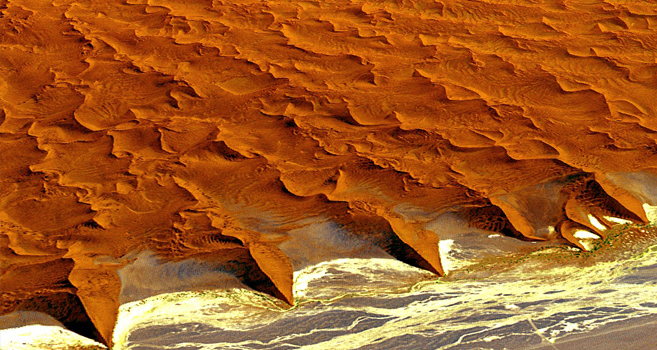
221, 131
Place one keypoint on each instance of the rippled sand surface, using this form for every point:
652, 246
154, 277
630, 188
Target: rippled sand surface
161, 146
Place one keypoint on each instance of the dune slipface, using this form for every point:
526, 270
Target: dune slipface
234, 144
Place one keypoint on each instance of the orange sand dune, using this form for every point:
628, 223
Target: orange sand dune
216, 130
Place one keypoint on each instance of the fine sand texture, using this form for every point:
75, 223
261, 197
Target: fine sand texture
252, 139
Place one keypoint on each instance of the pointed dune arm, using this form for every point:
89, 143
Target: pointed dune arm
622, 196
99, 290
424, 242
275, 264
270, 259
